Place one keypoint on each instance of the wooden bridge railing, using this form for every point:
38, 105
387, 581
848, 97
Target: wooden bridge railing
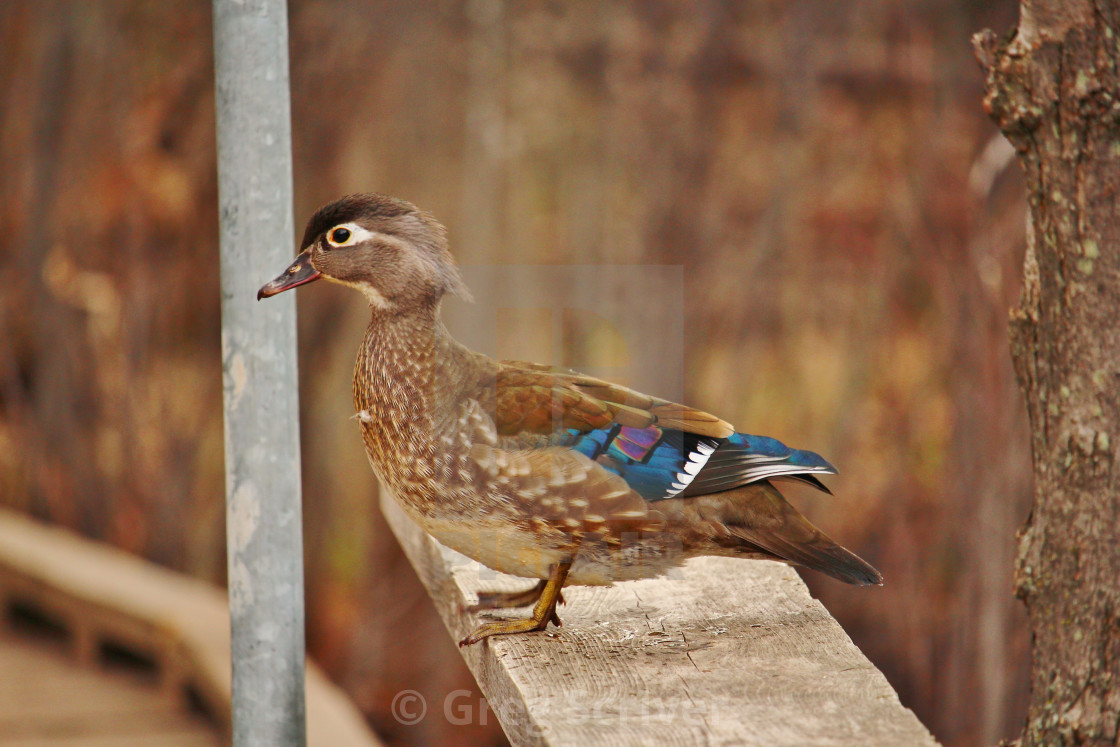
730, 653
101, 595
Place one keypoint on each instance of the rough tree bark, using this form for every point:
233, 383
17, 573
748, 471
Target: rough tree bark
1052, 88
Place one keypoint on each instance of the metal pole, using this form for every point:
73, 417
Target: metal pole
263, 520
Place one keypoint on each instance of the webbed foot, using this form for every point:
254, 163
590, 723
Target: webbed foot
546, 594
493, 600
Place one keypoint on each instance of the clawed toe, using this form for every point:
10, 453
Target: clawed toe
545, 595
491, 600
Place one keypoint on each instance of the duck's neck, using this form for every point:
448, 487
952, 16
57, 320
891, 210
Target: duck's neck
409, 370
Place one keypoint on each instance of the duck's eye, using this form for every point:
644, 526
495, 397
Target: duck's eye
340, 235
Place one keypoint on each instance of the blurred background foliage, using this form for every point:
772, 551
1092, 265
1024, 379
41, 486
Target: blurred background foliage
848, 228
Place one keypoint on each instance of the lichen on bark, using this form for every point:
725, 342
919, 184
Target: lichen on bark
1052, 88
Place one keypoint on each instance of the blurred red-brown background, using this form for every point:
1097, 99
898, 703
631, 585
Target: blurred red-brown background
849, 229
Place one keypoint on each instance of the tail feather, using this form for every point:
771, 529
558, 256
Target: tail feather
761, 518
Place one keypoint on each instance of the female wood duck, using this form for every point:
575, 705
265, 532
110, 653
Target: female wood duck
536, 471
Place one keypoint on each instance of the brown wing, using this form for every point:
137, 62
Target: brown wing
530, 398
563, 488
566, 490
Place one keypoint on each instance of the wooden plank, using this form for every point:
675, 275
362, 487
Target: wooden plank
183, 623
728, 652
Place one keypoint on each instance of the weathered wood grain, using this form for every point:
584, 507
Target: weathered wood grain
101, 594
729, 652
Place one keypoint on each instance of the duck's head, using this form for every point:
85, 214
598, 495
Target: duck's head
394, 253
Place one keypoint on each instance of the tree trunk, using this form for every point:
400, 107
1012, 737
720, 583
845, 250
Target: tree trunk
1052, 89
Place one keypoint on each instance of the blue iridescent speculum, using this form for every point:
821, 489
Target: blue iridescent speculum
660, 463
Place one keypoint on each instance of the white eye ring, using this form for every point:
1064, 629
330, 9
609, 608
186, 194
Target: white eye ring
343, 235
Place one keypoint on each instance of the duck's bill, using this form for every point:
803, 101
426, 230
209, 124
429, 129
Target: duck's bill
299, 272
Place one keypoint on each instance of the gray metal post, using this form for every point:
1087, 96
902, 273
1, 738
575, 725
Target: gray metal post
263, 518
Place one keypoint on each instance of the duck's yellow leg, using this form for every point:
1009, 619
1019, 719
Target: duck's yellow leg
492, 600
544, 611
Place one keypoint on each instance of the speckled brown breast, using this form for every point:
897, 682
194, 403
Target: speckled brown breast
425, 406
